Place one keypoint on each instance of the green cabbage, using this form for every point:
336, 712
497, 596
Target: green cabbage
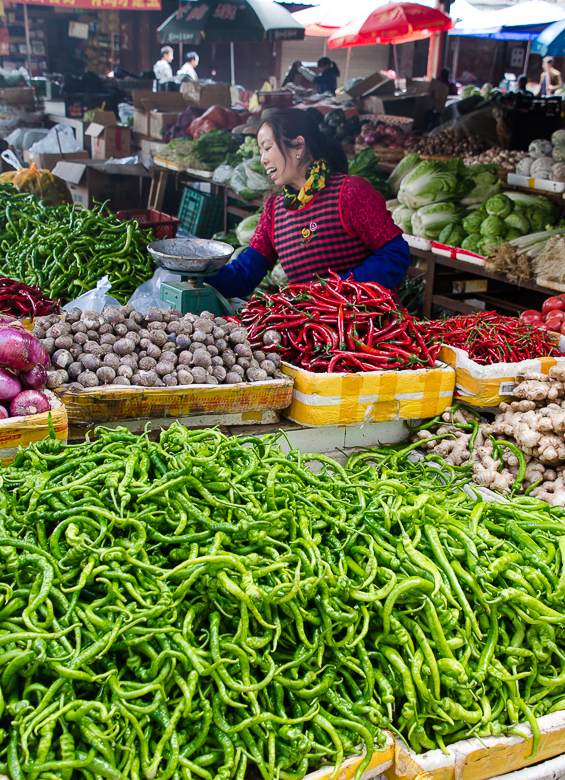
472, 223
539, 220
499, 206
525, 202
453, 235
404, 167
490, 243
485, 183
246, 228
472, 243
402, 216
434, 182
430, 220
513, 233
493, 226
518, 222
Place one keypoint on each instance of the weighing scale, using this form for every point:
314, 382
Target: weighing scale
194, 259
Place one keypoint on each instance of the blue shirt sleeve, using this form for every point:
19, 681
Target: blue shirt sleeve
239, 278
387, 265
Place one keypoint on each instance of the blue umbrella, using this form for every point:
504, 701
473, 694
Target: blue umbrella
551, 41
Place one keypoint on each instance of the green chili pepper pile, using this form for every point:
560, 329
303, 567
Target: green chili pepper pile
65, 251
206, 606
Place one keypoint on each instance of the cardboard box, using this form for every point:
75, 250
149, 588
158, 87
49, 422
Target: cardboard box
106, 138
18, 96
207, 95
49, 161
158, 120
145, 102
92, 180
376, 84
108, 142
371, 396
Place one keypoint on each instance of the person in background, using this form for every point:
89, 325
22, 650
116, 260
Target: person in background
189, 67
325, 220
550, 78
326, 81
523, 85
162, 68
326, 78
444, 78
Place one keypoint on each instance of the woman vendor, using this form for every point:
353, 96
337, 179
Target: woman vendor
325, 220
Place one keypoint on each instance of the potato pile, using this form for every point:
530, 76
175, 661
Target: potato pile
450, 143
160, 348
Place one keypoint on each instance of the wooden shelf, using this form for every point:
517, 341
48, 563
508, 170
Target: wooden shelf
507, 295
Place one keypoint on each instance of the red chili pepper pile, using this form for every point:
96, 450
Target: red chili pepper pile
336, 326
490, 338
24, 300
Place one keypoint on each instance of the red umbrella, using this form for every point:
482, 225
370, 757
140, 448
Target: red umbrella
391, 23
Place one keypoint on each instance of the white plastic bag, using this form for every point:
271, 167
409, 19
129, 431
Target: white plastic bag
222, 174
147, 294
95, 300
59, 140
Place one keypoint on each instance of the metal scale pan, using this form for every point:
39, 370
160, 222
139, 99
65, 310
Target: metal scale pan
193, 259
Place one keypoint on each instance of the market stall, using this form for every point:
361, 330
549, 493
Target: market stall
229, 573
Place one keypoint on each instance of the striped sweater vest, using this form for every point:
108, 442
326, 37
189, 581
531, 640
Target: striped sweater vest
313, 241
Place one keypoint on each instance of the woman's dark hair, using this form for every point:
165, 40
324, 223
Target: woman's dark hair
444, 75
325, 62
288, 123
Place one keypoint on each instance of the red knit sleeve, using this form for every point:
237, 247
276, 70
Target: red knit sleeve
262, 240
364, 214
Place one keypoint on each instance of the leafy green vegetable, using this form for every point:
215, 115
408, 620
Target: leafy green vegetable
404, 167
490, 243
430, 220
453, 235
486, 184
499, 206
365, 164
248, 149
513, 233
473, 221
493, 226
246, 228
472, 243
228, 238
433, 182
518, 222
402, 216
213, 147
524, 202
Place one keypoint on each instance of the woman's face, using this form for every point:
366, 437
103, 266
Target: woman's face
282, 171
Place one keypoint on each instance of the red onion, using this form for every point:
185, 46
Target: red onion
9, 386
5, 319
29, 402
3, 413
36, 379
19, 350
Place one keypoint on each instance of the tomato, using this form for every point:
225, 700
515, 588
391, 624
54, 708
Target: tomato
555, 314
555, 302
531, 317
563, 328
554, 325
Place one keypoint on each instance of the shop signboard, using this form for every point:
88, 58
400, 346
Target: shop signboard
99, 5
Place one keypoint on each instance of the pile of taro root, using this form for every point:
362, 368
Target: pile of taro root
160, 348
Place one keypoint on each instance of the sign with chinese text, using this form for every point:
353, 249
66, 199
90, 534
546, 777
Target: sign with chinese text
99, 5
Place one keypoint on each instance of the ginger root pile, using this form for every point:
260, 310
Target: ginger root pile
534, 423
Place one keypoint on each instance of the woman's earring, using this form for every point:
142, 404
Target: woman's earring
298, 157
